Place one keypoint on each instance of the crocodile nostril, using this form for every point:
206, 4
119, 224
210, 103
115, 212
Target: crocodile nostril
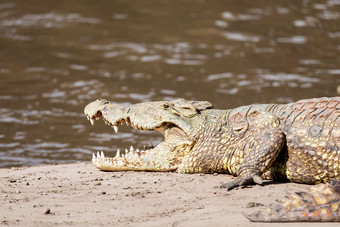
98, 114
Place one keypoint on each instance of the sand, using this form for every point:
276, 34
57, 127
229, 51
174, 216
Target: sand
80, 195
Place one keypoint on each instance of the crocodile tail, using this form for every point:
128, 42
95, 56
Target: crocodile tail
321, 204
326, 213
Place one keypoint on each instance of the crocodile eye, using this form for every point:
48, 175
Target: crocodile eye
106, 102
166, 105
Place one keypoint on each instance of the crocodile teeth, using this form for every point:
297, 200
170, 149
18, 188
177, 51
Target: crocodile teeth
102, 154
92, 121
131, 148
115, 128
98, 155
118, 153
93, 157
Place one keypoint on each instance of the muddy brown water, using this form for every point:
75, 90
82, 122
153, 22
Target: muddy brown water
57, 56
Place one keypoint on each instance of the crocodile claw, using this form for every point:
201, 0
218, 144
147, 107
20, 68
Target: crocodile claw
242, 181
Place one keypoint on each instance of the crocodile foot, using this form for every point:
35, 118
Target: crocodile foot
242, 181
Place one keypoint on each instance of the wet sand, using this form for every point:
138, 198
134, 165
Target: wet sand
80, 195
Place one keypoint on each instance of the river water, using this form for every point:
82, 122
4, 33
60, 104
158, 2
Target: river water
57, 56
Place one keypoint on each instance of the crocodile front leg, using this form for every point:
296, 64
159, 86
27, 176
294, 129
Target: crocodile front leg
267, 140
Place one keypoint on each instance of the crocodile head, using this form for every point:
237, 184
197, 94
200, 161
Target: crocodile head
173, 119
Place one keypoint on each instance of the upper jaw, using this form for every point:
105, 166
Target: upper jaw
115, 121
174, 131
116, 115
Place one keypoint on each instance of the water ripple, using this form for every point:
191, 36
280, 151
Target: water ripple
48, 20
289, 77
219, 76
293, 40
241, 37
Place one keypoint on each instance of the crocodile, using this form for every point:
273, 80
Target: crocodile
297, 142
322, 203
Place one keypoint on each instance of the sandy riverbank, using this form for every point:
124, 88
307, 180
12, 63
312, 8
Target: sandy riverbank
80, 195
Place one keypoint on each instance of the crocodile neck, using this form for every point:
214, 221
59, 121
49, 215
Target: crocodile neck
220, 139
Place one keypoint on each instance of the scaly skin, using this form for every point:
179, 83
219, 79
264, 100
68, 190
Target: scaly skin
321, 204
299, 142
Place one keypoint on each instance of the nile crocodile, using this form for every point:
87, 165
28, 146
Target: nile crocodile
298, 142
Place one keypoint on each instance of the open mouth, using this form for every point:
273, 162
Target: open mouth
170, 132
